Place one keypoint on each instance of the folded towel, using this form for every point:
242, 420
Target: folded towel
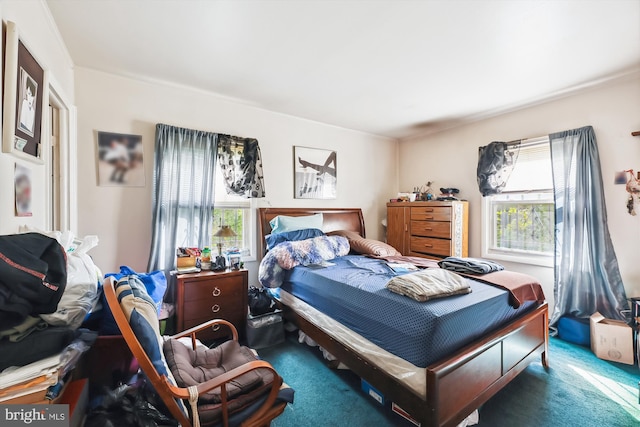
470, 265
429, 284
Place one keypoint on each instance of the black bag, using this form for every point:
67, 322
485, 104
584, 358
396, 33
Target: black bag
260, 302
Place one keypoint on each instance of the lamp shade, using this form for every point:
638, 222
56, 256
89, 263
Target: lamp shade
225, 231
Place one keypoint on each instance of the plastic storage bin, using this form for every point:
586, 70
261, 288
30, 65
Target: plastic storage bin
265, 330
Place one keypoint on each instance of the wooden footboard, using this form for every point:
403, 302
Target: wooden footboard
461, 383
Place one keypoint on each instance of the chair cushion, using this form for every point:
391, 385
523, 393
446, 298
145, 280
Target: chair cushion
140, 311
192, 367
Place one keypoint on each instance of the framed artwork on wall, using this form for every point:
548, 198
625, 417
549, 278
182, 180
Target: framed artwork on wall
22, 185
315, 173
26, 91
120, 160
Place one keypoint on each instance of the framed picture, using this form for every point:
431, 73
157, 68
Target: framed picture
120, 160
315, 173
22, 184
26, 92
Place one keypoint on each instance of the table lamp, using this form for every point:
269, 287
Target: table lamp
223, 232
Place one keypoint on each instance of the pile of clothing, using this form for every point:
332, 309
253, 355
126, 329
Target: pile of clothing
47, 286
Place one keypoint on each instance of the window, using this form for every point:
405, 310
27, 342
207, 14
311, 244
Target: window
235, 212
519, 222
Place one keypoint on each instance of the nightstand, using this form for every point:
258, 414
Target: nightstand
212, 295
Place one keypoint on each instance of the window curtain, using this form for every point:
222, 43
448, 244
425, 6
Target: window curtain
183, 195
241, 165
587, 277
495, 164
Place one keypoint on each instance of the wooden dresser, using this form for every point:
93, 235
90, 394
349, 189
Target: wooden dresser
212, 295
436, 229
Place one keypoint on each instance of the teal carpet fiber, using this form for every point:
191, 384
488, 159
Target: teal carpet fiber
578, 390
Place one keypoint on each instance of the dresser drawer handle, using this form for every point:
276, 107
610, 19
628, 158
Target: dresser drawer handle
215, 327
428, 217
428, 229
216, 291
427, 245
215, 308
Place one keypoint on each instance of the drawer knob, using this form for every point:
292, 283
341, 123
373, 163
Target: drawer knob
215, 308
216, 291
428, 246
215, 327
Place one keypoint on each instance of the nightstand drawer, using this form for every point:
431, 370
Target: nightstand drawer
431, 213
221, 288
431, 229
427, 245
211, 309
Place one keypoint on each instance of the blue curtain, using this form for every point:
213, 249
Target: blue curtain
183, 195
587, 277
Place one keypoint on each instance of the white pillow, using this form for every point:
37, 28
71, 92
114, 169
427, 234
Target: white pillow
283, 223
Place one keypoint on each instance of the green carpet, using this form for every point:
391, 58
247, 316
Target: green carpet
578, 390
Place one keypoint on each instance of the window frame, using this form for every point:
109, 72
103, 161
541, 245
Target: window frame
249, 225
488, 222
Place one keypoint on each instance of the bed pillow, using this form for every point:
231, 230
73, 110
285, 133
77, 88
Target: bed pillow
282, 223
291, 236
363, 246
372, 247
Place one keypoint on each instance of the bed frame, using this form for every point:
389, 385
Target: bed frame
457, 385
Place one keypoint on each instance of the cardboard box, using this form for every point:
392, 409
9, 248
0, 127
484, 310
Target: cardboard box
372, 391
611, 339
185, 261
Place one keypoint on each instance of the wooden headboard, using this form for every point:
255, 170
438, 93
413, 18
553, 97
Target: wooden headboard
333, 219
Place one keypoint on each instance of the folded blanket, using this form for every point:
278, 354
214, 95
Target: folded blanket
429, 284
470, 265
521, 287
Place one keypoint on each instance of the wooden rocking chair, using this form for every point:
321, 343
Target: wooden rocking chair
136, 316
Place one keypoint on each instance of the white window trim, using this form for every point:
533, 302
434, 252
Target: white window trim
522, 257
250, 224
519, 256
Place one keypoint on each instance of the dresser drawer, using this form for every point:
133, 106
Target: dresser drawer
431, 246
220, 288
428, 213
440, 229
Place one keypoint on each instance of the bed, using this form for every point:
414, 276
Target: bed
451, 386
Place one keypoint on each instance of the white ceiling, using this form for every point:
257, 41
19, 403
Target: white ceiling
393, 68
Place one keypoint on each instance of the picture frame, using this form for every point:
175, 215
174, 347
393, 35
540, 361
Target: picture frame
315, 173
120, 159
22, 188
26, 93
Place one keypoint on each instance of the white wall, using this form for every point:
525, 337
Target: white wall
40, 35
450, 159
121, 216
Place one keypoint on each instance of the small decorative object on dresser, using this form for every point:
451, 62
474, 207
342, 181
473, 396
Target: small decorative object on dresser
435, 229
212, 295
